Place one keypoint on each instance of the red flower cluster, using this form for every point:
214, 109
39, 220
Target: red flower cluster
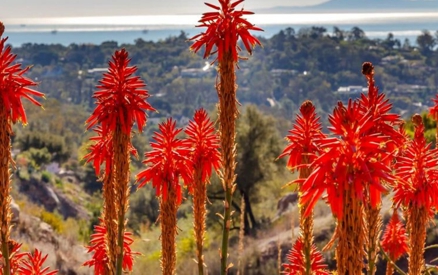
355, 161
14, 252
303, 137
33, 265
418, 173
121, 98
378, 107
395, 239
205, 143
102, 151
168, 161
296, 265
100, 259
224, 27
14, 86
433, 111
26, 263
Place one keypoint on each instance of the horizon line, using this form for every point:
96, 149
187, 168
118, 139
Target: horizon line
258, 19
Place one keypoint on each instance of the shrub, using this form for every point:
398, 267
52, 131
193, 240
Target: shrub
55, 220
46, 176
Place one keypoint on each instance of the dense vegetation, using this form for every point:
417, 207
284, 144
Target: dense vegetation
293, 66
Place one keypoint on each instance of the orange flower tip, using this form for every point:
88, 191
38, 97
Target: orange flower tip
367, 69
2, 28
417, 120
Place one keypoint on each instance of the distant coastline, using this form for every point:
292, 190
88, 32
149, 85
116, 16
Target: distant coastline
95, 30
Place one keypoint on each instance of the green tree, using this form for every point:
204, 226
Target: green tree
426, 42
144, 208
259, 145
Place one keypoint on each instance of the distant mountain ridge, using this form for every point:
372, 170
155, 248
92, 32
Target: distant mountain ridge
360, 6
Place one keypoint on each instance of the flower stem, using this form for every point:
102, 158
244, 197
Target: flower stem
307, 233
168, 209
374, 223
306, 223
199, 199
418, 220
350, 231
121, 161
109, 217
227, 116
5, 199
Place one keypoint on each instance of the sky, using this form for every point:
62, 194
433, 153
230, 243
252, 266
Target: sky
75, 8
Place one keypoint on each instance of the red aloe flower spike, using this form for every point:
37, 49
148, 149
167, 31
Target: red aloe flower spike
401, 149
433, 112
395, 239
348, 162
122, 97
168, 160
418, 185
33, 265
296, 265
378, 108
302, 150
15, 256
205, 142
121, 102
303, 138
224, 27
417, 191
13, 85
100, 259
206, 158
102, 151
346, 169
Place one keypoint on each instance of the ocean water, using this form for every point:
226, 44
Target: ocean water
126, 29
